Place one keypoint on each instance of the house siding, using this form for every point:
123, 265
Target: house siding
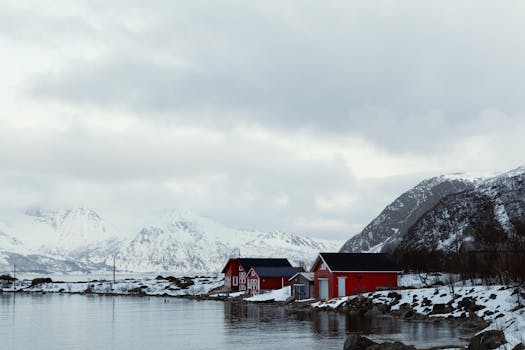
231, 271
308, 287
257, 284
243, 280
355, 282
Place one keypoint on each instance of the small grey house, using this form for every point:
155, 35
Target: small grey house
302, 285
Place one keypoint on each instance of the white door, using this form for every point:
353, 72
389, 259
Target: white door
323, 289
341, 286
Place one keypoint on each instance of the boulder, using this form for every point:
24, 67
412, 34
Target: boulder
474, 322
360, 305
358, 342
469, 304
138, 290
41, 280
391, 346
410, 314
7, 278
487, 340
441, 309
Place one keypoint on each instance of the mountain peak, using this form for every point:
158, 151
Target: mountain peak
394, 221
72, 227
179, 215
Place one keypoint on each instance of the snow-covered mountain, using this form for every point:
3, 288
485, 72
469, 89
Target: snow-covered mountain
7, 241
14, 252
183, 242
387, 229
69, 229
444, 214
179, 242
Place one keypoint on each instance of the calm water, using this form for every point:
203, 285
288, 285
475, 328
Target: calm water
94, 322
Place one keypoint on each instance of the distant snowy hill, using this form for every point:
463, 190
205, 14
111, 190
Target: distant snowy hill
14, 252
183, 241
7, 241
179, 242
69, 229
444, 214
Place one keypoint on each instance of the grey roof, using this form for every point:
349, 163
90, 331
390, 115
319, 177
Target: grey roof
286, 272
373, 262
307, 275
248, 263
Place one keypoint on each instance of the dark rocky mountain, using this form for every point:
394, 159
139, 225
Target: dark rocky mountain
444, 216
488, 216
386, 230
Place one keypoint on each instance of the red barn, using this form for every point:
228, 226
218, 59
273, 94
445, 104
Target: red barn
269, 278
236, 269
344, 274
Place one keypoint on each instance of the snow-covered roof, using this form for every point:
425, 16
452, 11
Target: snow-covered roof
308, 275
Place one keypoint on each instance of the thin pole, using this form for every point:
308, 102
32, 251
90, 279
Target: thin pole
114, 268
14, 277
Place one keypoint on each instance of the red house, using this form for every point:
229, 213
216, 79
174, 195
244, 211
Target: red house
344, 274
236, 269
268, 278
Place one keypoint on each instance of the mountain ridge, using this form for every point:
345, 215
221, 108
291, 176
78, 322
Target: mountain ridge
398, 216
482, 214
178, 241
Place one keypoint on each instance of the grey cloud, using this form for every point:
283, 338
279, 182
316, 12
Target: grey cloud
306, 66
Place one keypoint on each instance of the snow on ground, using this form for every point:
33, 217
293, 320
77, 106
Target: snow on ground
513, 325
420, 280
144, 286
332, 303
275, 295
228, 295
496, 304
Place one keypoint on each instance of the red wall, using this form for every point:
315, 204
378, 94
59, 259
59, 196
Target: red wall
355, 282
274, 282
232, 269
269, 283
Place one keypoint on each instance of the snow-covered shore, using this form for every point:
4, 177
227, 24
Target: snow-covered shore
501, 307
165, 286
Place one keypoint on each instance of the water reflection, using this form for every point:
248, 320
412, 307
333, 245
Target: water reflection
64, 322
338, 325
236, 313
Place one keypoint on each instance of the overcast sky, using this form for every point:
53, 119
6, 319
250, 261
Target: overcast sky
301, 116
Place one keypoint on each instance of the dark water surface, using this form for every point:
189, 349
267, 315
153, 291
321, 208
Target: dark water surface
65, 322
